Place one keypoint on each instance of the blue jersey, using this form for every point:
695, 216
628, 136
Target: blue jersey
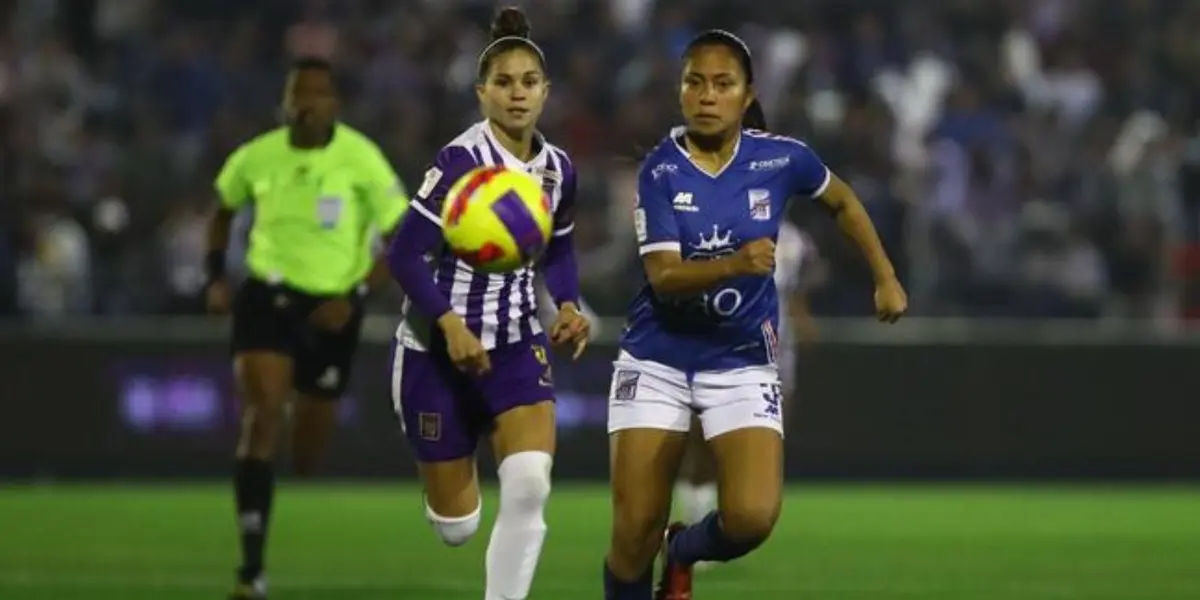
703, 217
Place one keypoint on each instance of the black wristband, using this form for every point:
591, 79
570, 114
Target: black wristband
214, 264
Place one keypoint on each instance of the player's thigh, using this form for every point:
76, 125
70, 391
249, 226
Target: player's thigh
451, 486
437, 407
519, 392
643, 465
749, 479
648, 395
263, 343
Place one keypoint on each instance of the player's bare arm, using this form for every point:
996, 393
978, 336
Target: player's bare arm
217, 294
670, 275
891, 301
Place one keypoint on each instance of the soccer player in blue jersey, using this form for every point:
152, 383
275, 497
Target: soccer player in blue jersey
470, 356
702, 333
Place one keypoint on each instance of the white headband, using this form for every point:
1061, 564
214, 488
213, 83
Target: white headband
512, 38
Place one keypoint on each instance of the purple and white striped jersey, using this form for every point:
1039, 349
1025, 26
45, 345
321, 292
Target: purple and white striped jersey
499, 308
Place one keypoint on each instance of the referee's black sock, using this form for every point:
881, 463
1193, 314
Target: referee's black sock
254, 489
615, 589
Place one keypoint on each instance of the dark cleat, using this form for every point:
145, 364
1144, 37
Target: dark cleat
675, 582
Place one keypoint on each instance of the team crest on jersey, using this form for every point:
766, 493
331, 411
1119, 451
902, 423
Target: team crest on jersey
625, 384
547, 377
718, 245
760, 204
329, 211
429, 426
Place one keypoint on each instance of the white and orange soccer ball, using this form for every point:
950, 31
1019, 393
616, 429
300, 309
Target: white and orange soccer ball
496, 219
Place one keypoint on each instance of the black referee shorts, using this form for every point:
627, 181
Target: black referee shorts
274, 317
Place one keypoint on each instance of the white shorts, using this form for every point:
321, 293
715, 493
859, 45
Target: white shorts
650, 395
787, 365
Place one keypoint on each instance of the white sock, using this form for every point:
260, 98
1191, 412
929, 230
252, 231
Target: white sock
695, 500
520, 529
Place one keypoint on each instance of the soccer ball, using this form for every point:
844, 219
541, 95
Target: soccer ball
496, 219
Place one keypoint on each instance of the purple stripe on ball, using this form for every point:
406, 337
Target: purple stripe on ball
521, 224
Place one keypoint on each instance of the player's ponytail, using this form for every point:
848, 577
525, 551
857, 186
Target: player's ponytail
510, 29
754, 117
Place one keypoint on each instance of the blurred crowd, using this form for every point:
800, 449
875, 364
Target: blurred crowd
1031, 158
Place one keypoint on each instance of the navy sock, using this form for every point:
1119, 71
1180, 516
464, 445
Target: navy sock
707, 541
615, 589
254, 488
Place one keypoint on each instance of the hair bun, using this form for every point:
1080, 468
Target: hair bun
510, 22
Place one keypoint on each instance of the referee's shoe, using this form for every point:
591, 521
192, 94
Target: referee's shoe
252, 590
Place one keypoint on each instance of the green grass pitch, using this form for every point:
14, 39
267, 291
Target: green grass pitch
834, 543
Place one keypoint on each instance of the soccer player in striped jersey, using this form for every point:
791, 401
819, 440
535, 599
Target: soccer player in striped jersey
795, 252
701, 338
470, 356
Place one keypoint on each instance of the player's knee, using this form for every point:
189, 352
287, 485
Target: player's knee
454, 531
750, 521
637, 530
525, 482
260, 431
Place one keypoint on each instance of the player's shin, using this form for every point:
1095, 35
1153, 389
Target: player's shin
516, 542
751, 481
254, 488
616, 588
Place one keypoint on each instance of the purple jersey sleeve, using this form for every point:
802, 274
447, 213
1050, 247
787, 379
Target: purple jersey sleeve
810, 176
559, 266
451, 164
564, 214
420, 232
654, 218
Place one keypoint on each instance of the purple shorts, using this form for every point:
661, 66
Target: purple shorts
444, 411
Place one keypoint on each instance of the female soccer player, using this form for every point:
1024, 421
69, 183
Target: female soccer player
696, 492
320, 192
470, 355
702, 332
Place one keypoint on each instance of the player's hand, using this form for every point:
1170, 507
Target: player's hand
217, 296
571, 327
756, 257
332, 315
891, 302
466, 351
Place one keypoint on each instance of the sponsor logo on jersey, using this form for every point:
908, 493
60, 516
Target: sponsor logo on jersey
662, 169
772, 164
683, 202
432, 177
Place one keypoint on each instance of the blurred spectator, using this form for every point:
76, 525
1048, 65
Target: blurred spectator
1021, 158
54, 269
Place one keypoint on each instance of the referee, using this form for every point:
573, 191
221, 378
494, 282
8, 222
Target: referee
321, 193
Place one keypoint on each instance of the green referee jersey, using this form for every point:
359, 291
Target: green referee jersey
316, 211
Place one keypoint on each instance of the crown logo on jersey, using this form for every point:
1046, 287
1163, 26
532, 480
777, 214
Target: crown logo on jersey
716, 242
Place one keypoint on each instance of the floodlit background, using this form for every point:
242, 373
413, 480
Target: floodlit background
1032, 166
